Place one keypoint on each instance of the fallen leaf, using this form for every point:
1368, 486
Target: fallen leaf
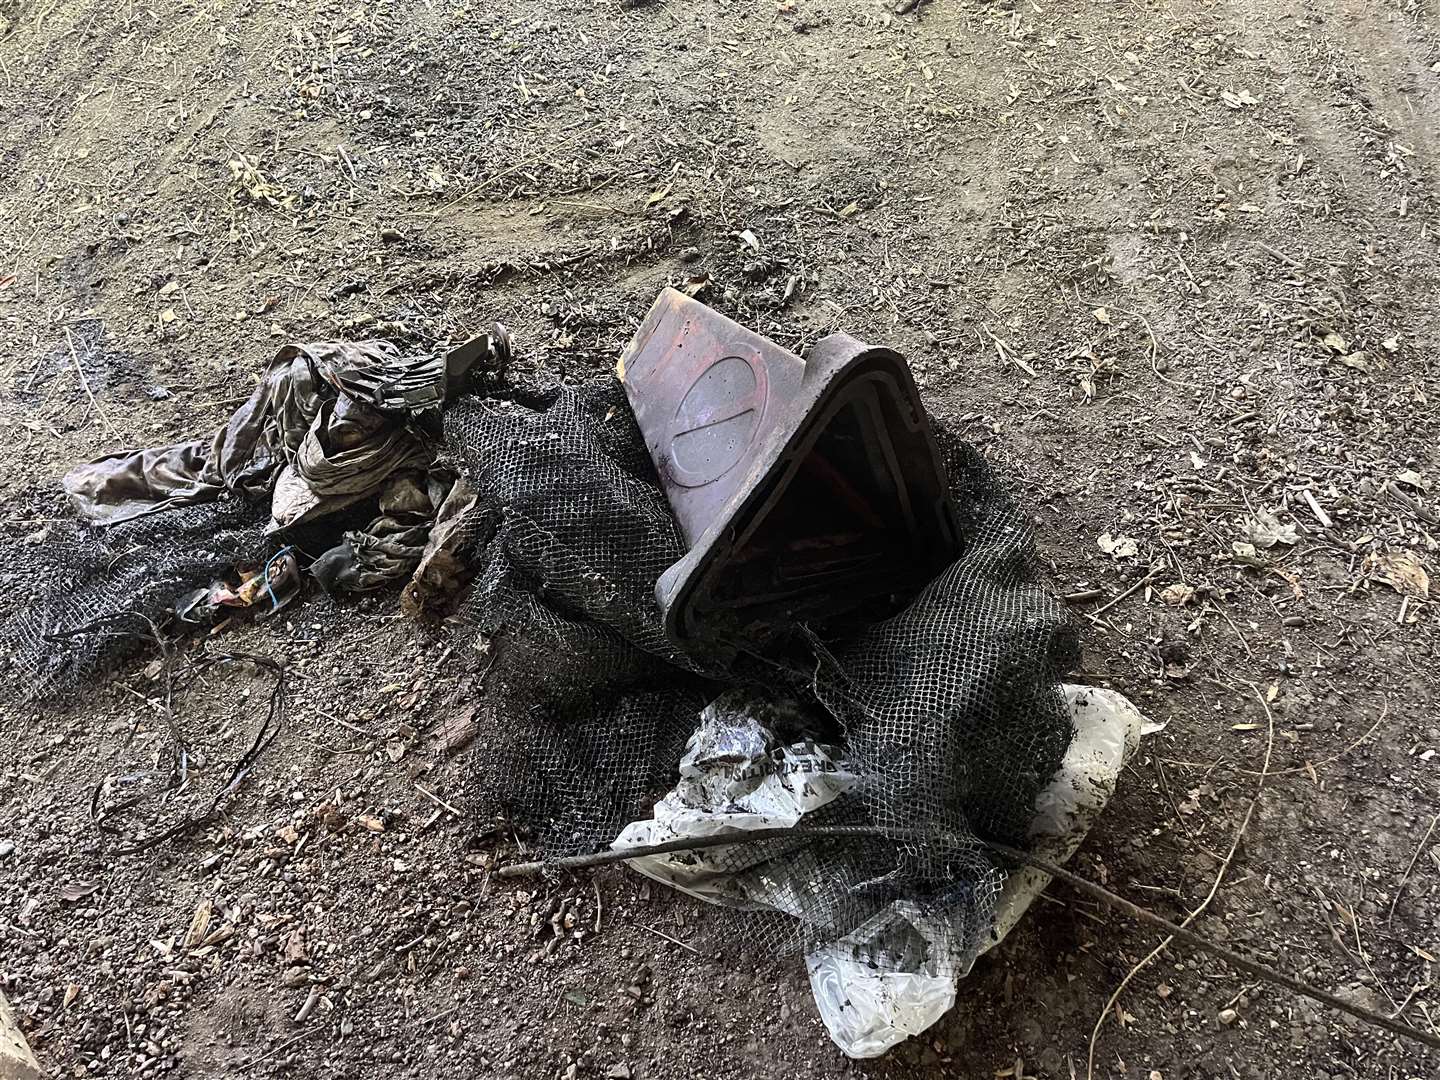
1402, 571
1290, 578
371, 822
1101, 316
1265, 530
1177, 595
750, 240
1335, 342
78, 891
199, 924
850, 210
1117, 547
1411, 478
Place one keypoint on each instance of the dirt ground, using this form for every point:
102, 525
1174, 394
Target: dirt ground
1172, 265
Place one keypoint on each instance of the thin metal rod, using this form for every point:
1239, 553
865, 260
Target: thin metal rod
1234, 959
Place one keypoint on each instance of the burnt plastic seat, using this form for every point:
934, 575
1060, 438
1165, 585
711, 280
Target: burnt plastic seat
806, 489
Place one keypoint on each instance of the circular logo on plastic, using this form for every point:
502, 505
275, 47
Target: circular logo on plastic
717, 420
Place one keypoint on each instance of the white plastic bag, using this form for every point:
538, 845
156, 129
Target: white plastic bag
735, 777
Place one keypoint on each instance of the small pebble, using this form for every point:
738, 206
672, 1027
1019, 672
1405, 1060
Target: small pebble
1228, 1017
7, 848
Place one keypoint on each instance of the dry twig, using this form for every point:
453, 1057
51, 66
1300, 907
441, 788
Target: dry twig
1214, 888
1234, 959
1411, 868
80, 370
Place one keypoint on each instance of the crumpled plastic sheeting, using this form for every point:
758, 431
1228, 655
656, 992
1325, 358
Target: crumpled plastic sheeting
391, 546
330, 425
304, 414
241, 457
735, 777
346, 454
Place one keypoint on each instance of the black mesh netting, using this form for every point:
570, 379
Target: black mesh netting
80, 598
948, 712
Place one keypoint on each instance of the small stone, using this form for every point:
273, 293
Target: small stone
7, 848
619, 1072
391, 235
690, 255
1228, 1017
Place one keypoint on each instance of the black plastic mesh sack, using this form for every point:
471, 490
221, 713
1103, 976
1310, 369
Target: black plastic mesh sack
950, 710
85, 598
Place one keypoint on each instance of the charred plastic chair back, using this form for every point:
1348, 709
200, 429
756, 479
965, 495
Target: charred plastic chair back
806, 489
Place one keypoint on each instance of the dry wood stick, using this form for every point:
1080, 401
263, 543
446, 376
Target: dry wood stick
1411, 868
1210, 896
70, 340
1237, 960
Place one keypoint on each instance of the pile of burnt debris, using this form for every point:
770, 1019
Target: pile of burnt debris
730, 589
